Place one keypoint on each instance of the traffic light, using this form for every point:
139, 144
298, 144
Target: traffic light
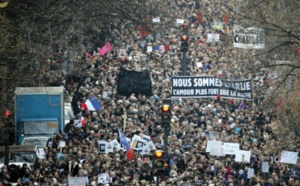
158, 166
7, 113
184, 43
166, 115
184, 38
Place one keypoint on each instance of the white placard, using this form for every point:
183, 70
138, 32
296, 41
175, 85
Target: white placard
199, 65
77, 123
76, 181
41, 153
146, 138
265, 167
109, 147
62, 143
134, 141
104, 94
243, 155
122, 53
102, 147
180, 21
104, 178
116, 145
231, 148
250, 173
214, 148
213, 37
145, 150
156, 20
289, 157
149, 49
151, 145
139, 144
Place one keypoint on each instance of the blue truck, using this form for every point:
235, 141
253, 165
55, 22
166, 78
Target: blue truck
39, 113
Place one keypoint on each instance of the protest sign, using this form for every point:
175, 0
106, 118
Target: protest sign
226, 18
139, 144
104, 94
149, 49
134, 141
77, 123
265, 167
109, 148
122, 53
102, 146
248, 38
145, 150
214, 148
60, 156
243, 155
208, 86
134, 82
213, 37
289, 157
146, 138
250, 173
62, 143
151, 145
199, 65
41, 153
231, 148
106, 49
76, 181
104, 178
156, 20
180, 21
116, 145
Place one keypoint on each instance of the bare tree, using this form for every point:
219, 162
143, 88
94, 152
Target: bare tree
279, 60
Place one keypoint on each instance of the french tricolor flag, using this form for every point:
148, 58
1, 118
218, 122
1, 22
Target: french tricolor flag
92, 104
124, 141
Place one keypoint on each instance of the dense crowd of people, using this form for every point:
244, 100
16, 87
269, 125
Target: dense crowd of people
237, 121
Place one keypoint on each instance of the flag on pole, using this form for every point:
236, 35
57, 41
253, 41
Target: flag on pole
124, 141
92, 104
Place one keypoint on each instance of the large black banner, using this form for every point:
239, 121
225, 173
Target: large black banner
134, 82
208, 86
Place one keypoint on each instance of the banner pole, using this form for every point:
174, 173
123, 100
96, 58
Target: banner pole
125, 116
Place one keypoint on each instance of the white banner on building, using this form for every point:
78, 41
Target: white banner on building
248, 38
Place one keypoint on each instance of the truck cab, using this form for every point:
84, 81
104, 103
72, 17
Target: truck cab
19, 155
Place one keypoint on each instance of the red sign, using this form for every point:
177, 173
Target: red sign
226, 18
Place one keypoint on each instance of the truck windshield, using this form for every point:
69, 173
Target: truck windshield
40, 142
15, 157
